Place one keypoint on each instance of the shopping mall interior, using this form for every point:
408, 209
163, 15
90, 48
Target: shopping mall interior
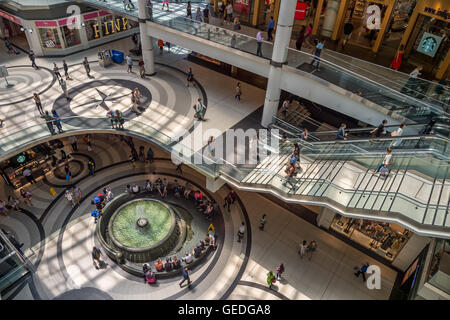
210, 150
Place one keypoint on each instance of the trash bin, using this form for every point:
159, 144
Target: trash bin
117, 56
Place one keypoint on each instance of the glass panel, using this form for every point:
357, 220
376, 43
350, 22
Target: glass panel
49, 38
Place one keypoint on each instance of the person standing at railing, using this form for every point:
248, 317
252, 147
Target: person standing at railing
49, 122
206, 14
189, 10
259, 39
198, 15
57, 120
119, 119
149, 6
236, 24
270, 27
319, 47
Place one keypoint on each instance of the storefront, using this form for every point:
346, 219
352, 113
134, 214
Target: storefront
426, 40
66, 36
384, 239
38, 159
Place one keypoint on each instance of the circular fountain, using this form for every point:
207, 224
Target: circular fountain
142, 230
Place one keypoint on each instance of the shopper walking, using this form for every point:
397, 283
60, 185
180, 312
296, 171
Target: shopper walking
387, 161
87, 67
119, 119
397, 133
199, 15
133, 104
397, 61
165, 3
378, 131
280, 270
312, 247
66, 70
259, 40
206, 14
96, 253
185, 275
200, 109
56, 71
141, 68
37, 101
238, 92
190, 78
348, 29
69, 196
410, 85
262, 222
229, 10
91, 167
342, 135
319, 47
189, 10
49, 122
300, 39
129, 64
57, 120
362, 271
77, 194
270, 27
26, 197
74, 143
302, 249
32, 57
241, 232
63, 85
271, 279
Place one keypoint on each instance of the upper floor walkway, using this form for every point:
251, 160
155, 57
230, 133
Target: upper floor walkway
344, 84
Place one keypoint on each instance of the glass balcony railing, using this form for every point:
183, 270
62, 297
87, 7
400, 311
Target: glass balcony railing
431, 92
12, 265
417, 188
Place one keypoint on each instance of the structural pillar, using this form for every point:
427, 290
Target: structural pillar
330, 18
317, 17
146, 40
279, 54
384, 25
343, 6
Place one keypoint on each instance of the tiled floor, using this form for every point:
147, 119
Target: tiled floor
62, 260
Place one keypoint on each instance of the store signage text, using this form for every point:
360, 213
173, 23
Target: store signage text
111, 27
373, 17
300, 11
444, 14
241, 6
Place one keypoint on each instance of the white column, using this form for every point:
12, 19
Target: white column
325, 218
330, 18
279, 54
146, 41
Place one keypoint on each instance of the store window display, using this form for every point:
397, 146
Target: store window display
385, 239
49, 38
92, 29
440, 266
71, 36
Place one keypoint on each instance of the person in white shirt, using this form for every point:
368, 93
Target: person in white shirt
229, 10
27, 174
302, 250
187, 258
410, 84
200, 109
241, 232
397, 133
69, 197
129, 63
259, 39
387, 160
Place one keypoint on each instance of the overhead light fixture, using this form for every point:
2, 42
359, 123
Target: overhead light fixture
22, 29
82, 24
30, 30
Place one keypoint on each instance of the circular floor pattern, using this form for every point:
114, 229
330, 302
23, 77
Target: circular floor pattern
87, 293
95, 98
25, 80
76, 167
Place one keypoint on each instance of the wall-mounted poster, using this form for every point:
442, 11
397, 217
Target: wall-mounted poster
429, 44
242, 6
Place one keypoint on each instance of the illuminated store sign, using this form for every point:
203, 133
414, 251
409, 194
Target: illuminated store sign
440, 13
429, 44
121, 24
